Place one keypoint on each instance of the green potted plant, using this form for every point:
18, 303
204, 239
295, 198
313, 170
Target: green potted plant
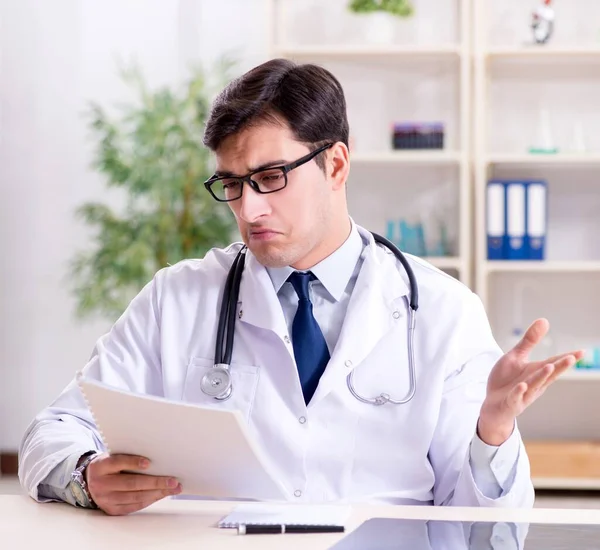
152, 155
381, 16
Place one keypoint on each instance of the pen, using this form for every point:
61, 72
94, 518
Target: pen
281, 529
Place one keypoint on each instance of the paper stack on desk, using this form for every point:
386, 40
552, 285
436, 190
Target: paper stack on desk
209, 451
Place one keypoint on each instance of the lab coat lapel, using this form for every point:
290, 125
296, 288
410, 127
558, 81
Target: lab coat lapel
258, 303
375, 306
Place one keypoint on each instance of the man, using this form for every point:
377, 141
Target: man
319, 301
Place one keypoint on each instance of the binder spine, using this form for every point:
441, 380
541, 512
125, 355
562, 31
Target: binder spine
496, 220
516, 209
537, 222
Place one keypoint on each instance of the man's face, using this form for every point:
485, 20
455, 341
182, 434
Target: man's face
285, 227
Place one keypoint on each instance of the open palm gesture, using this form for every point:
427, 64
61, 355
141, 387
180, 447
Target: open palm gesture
515, 383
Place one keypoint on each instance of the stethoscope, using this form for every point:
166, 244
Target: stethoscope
217, 381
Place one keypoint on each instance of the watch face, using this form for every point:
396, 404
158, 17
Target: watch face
79, 493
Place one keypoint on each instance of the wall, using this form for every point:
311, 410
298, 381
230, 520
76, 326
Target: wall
55, 57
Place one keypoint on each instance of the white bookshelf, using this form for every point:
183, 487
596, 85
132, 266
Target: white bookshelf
510, 81
380, 176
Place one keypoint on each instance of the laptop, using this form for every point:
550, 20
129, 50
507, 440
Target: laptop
408, 534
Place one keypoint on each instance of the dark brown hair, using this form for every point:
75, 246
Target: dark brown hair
306, 97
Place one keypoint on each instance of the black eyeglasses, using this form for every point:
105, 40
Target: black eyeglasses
266, 180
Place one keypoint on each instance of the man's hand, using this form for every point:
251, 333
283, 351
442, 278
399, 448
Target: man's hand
119, 493
515, 383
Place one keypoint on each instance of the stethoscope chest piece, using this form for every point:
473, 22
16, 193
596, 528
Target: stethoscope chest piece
217, 382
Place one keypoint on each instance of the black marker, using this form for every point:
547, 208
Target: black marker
281, 529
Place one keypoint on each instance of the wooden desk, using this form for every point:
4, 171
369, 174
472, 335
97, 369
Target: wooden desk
191, 524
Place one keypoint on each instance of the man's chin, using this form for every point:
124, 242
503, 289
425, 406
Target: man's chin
269, 255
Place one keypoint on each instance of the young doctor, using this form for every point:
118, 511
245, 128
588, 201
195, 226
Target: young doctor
346, 399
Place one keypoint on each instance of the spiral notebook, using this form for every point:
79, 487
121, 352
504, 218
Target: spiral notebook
286, 514
211, 452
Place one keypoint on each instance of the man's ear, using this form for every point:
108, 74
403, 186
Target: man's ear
338, 165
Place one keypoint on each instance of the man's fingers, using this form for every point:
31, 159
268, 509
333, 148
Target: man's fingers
523, 391
114, 464
532, 337
515, 395
561, 366
137, 482
130, 508
124, 498
545, 376
577, 355
118, 503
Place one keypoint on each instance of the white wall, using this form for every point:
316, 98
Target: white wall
55, 57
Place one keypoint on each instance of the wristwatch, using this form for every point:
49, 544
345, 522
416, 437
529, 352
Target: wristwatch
78, 484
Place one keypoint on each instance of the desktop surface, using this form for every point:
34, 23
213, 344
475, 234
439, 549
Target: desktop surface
183, 524
417, 534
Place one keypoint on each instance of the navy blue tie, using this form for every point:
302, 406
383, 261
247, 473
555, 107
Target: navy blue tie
310, 348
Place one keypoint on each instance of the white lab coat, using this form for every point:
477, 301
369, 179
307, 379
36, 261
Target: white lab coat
337, 448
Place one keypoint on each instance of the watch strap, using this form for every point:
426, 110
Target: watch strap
79, 475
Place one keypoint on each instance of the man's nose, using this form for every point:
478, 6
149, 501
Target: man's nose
253, 205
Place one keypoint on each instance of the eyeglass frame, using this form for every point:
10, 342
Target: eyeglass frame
285, 168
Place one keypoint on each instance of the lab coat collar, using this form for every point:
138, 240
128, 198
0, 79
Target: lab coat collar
258, 303
333, 272
376, 306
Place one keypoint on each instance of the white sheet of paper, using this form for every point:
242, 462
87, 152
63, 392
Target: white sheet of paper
210, 451
286, 514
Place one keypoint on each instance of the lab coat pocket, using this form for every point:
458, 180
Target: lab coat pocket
244, 379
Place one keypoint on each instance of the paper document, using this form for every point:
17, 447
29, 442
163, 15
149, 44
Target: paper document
286, 514
209, 451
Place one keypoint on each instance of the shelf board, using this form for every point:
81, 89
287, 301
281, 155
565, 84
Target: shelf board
580, 375
542, 266
540, 159
445, 262
350, 52
427, 156
566, 483
542, 52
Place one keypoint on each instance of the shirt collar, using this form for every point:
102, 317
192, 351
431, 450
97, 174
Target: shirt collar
334, 272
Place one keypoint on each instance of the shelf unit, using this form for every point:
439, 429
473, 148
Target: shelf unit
561, 442
393, 58
474, 161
